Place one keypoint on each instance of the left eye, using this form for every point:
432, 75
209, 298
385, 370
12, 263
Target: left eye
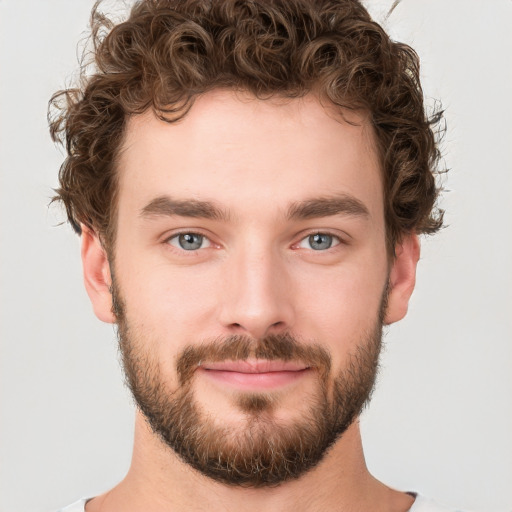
319, 242
189, 241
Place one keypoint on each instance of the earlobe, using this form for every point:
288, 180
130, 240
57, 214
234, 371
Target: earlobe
402, 278
97, 278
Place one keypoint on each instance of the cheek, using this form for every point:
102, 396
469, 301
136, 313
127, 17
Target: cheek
171, 301
164, 316
341, 306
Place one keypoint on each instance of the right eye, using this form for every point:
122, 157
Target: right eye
189, 241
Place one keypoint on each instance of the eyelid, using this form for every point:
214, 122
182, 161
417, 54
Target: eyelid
192, 231
204, 240
342, 238
335, 242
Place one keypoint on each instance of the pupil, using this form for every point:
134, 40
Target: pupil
320, 241
190, 241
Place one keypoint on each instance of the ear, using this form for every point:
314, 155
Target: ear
402, 278
97, 276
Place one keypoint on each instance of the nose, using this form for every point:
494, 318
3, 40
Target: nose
256, 299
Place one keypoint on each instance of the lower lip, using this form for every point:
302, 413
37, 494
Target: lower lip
255, 381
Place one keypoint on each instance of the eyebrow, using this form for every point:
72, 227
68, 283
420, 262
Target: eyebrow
166, 206
344, 204
328, 206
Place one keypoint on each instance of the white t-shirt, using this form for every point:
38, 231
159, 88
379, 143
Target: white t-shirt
420, 504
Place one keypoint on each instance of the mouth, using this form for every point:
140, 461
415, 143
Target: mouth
254, 374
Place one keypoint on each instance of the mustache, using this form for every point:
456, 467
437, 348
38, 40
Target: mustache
284, 347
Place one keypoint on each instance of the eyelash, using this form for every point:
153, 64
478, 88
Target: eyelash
335, 238
186, 232
340, 241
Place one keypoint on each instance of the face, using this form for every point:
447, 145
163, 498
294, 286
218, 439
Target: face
251, 280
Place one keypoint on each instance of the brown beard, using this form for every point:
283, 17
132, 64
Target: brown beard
263, 452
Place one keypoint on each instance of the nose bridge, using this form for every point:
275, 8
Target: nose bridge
256, 299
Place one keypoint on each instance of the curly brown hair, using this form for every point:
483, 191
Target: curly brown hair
170, 51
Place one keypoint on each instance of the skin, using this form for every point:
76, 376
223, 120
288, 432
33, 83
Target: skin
255, 274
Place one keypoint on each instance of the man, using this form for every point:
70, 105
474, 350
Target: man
249, 180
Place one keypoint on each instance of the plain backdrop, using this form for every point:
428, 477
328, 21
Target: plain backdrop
441, 419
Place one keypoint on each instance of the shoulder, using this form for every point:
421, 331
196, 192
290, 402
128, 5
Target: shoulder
422, 504
78, 506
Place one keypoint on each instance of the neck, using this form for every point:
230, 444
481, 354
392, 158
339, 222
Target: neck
159, 481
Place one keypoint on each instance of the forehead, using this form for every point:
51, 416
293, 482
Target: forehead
235, 149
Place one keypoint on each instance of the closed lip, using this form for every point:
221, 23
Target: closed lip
255, 366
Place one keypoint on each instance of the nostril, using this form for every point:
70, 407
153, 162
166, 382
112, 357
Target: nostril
236, 327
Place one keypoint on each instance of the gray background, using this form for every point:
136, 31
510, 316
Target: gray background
441, 419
